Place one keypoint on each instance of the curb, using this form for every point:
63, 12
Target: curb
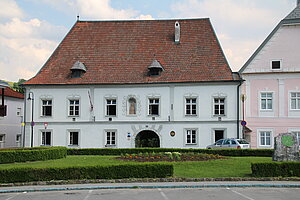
153, 187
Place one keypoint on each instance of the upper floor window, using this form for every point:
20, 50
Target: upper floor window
266, 101
46, 138
154, 106
191, 106
111, 107
46, 107
219, 106
275, 64
191, 136
131, 106
295, 100
74, 107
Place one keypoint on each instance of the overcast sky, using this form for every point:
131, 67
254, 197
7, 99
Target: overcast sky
30, 30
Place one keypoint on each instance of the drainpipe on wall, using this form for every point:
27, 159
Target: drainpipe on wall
238, 107
24, 119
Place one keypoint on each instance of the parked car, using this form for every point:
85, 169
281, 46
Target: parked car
230, 143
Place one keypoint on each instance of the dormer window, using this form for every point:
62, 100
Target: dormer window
78, 69
155, 68
275, 64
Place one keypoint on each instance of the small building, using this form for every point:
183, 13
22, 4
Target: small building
11, 123
139, 83
272, 84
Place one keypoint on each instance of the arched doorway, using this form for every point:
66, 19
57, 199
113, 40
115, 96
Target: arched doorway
147, 138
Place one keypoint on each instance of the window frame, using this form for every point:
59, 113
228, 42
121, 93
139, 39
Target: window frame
191, 104
42, 107
74, 107
108, 138
260, 137
280, 64
153, 104
297, 99
266, 98
3, 138
219, 104
43, 139
186, 133
107, 114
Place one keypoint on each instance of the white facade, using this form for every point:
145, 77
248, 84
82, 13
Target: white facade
11, 125
92, 126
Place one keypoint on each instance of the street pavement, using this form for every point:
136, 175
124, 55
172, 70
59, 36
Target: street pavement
251, 190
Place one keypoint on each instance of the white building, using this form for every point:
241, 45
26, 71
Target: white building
125, 84
10, 120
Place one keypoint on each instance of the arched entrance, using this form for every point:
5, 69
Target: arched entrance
147, 138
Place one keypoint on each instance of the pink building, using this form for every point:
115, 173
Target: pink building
272, 84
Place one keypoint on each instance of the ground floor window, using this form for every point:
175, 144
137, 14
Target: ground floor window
110, 138
297, 135
219, 134
74, 138
46, 138
2, 140
191, 136
265, 138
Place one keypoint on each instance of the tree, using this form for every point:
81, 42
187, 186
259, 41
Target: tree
17, 86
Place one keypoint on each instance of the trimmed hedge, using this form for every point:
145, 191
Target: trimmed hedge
223, 152
89, 172
32, 154
275, 169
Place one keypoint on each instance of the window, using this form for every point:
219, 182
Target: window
110, 138
191, 136
191, 106
18, 138
2, 138
73, 107
266, 101
111, 107
265, 138
295, 100
276, 64
131, 106
219, 106
154, 106
46, 138
19, 111
74, 138
46, 107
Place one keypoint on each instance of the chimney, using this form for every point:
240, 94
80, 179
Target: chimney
177, 32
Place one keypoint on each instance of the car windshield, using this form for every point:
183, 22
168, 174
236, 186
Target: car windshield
243, 142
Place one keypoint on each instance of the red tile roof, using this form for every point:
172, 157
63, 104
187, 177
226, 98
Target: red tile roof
8, 92
119, 52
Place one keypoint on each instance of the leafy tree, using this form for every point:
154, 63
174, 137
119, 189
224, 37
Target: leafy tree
17, 86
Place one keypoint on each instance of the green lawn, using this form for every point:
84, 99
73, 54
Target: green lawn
233, 167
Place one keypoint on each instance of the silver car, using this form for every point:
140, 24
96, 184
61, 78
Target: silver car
230, 143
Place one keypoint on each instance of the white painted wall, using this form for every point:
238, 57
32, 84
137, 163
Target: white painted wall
92, 132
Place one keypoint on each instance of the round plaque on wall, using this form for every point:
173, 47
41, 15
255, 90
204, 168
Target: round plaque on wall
172, 133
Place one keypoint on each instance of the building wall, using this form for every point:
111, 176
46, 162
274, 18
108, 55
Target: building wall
10, 125
260, 77
92, 124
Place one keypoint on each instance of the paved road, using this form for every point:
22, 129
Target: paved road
161, 194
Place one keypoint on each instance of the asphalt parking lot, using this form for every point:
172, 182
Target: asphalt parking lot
161, 194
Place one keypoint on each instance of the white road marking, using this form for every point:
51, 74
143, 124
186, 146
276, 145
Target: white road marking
240, 194
12, 197
163, 194
88, 195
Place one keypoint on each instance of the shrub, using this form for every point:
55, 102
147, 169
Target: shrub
32, 154
89, 172
275, 169
223, 152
